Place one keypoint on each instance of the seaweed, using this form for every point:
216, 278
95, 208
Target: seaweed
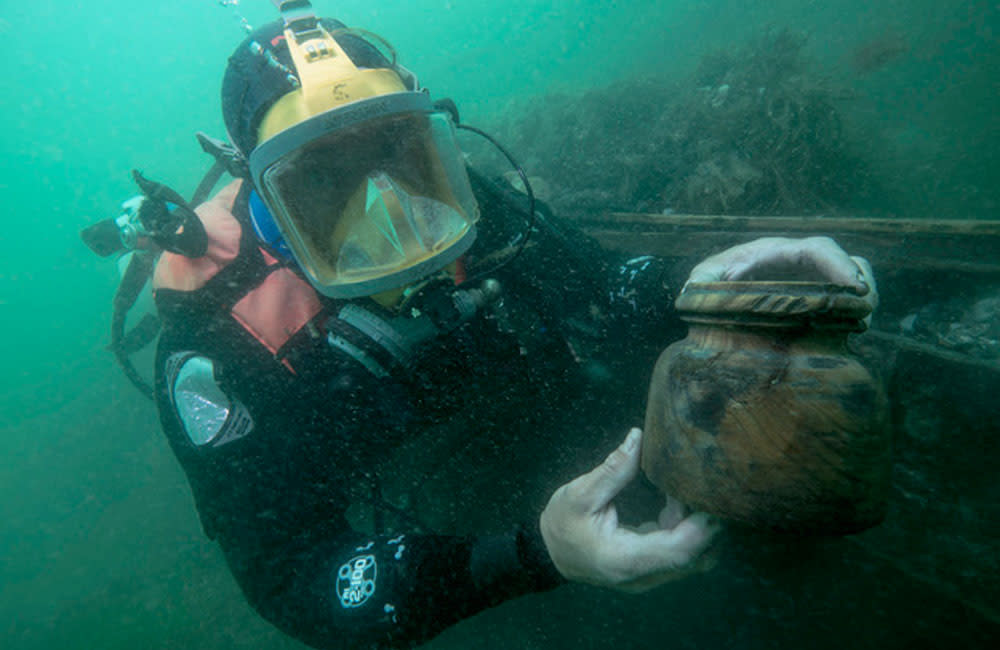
755, 130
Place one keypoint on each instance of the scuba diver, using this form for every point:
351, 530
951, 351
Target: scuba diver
358, 284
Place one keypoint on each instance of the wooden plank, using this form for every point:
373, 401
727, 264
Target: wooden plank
939, 246
969, 227
950, 356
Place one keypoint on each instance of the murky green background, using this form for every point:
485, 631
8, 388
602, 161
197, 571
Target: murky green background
99, 542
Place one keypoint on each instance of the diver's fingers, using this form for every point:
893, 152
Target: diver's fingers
820, 255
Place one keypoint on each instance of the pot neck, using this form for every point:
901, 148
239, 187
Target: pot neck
722, 333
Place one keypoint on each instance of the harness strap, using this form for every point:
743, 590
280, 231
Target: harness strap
122, 344
227, 159
208, 181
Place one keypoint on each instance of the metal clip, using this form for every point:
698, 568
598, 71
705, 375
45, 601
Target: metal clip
300, 18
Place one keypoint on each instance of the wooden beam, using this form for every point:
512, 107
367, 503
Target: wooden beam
966, 246
950, 356
803, 224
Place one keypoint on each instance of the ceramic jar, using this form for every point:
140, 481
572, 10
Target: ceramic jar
762, 415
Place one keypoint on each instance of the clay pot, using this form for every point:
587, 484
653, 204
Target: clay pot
762, 416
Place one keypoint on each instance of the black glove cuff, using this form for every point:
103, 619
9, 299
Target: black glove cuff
536, 560
512, 564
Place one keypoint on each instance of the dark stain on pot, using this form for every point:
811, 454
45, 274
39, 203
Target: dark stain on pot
709, 458
858, 399
673, 447
708, 407
826, 362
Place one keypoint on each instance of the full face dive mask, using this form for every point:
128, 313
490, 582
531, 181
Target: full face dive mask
363, 177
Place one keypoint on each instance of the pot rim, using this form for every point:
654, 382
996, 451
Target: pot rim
779, 301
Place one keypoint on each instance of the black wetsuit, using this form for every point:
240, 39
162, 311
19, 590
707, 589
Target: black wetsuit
275, 496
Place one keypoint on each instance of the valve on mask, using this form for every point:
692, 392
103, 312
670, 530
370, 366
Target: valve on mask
448, 310
384, 344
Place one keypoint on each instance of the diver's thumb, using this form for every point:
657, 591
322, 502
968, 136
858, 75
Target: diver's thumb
606, 480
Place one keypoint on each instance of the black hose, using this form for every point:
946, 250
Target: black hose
531, 204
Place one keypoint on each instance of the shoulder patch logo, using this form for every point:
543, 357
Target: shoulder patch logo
356, 581
207, 414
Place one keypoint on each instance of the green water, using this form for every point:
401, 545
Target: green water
100, 546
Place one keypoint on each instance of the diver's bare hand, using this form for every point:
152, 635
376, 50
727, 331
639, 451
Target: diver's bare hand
779, 258
587, 543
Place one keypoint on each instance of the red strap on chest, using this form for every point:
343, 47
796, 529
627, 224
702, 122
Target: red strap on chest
278, 308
